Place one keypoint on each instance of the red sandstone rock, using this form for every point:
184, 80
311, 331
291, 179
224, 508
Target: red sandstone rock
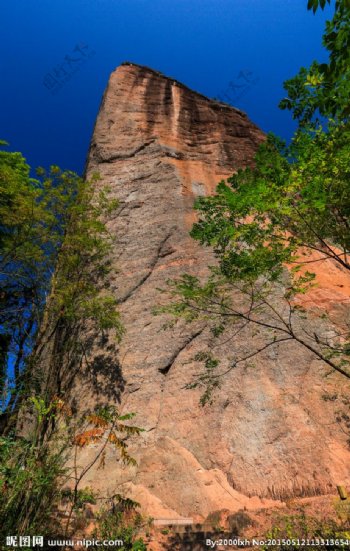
269, 433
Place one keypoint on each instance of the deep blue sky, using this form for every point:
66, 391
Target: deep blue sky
203, 43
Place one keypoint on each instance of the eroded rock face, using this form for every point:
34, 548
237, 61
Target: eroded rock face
269, 433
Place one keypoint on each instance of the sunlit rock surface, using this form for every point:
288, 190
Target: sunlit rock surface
269, 434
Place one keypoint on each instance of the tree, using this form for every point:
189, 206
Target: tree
323, 88
54, 249
35, 480
105, 427
54, 259
295, 201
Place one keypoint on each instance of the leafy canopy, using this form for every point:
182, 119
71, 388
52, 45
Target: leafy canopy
54, 247
296, 198
291, 209
323, 89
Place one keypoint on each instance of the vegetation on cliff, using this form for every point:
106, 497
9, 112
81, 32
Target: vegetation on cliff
291, 209
54, 249
42, 493
54, 259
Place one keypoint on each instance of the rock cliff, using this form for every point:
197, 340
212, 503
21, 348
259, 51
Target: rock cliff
269, 434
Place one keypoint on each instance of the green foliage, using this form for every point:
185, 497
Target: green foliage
208, 378
54, 247
324, 88
235, 222
54, 259
294, 199
120, 525
84, 496
315, 4
83, 262
301, 527
32, 473
106, 425
269, 223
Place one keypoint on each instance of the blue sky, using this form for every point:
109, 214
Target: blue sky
206, 44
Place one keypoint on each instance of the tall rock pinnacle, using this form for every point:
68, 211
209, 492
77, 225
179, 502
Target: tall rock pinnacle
159, 145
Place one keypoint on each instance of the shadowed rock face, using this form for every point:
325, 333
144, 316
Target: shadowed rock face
269, 433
